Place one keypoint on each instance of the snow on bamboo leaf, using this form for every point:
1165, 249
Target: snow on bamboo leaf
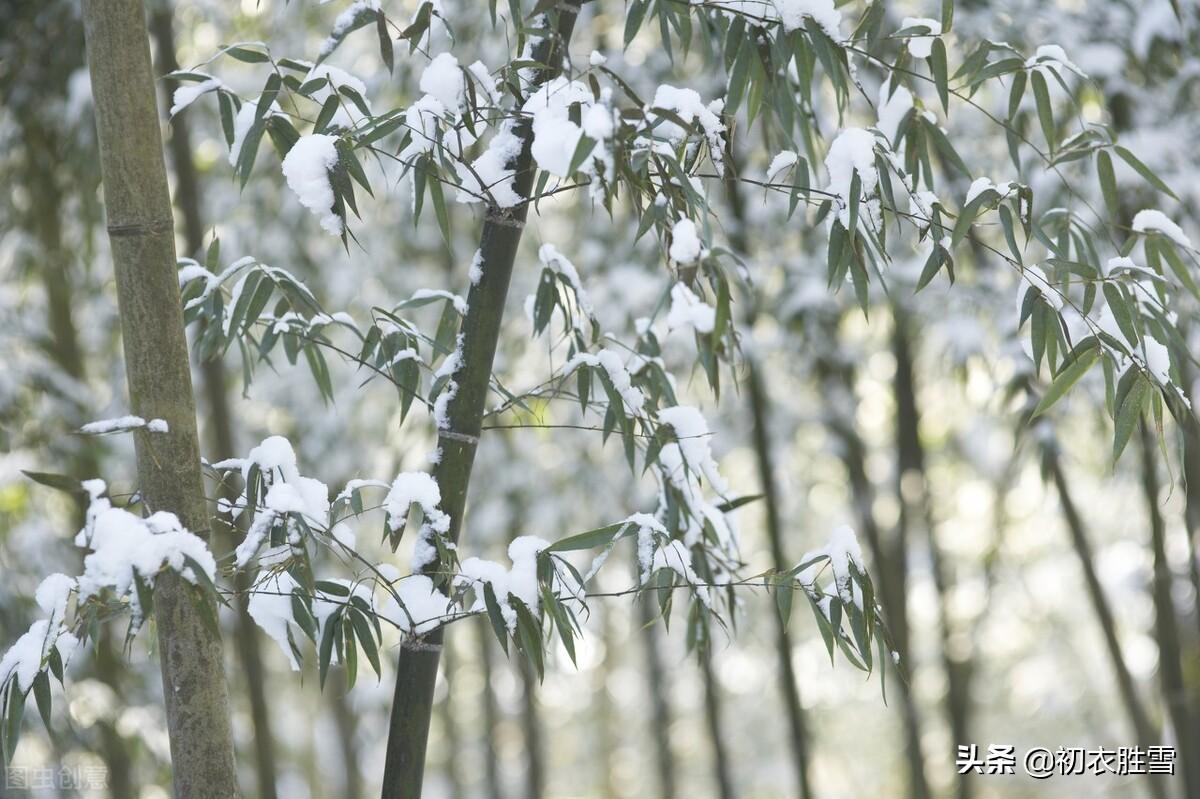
271, 476
1150, 220
420, 489
520, 580
686, 247
841, 550
28, 655
631, 396
688, 310
187, 94
306, 167
126, 548
853, 152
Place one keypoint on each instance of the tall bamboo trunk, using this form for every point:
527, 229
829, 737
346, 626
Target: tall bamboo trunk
491, 713
1139, 720
416, 670
531, 729
1170, 668
141, 236
219, 417
660, 700
914, 497
837, 379
1191, 514
788, 684
760, 409
347, 730
713, 717
450, 728
606, 716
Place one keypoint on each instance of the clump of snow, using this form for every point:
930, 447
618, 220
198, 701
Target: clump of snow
840, 550
793, 12
781, 163
920, 45
344, 22
288, 492
1151, 220
270, 606
242, 123
520, 580
124, 547
459, 304
853, 151
597, 59
421, 607
688, 310
692, 433
685, 243
52, 595
491, 174
1157, 359
631, 396
980, 185
448, 368
1051, 57
687, 105
187, 94
475, 270
443, 80
484, 78
417, 488
123, 424
674, 555
28, 654
306, 167
556, 137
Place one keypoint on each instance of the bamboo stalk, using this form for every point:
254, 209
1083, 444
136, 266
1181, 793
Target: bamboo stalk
913, 496
1139, 720
1166, 628
660, 701
837, 378
141, 235
416, 671
220, 417
757, 392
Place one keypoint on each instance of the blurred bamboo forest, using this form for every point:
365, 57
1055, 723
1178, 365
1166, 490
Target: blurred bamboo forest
1037, 591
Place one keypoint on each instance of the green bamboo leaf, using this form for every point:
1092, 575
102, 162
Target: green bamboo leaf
1045, 112
937, 66
1108, 182
1122, 311
1066, 378
601, 536
14, 712
1143, 170
1129, 412
41, 692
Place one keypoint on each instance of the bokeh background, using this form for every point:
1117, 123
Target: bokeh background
909, 420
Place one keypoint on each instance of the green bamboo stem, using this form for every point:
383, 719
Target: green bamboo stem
141, 236
416, 671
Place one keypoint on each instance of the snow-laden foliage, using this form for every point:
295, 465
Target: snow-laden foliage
869, 125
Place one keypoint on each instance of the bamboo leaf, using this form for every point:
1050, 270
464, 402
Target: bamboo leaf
1143, 170
1129, 412
1065, 379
